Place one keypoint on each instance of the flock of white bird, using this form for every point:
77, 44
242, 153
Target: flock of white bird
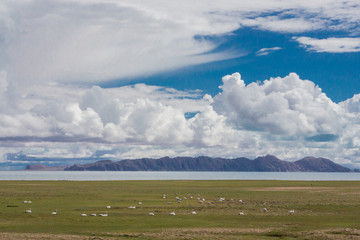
178, 199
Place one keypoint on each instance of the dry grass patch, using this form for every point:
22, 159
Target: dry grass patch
199, 233
254, 233
291, 189
43, 236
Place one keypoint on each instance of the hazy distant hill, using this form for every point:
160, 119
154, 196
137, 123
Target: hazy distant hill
41, 167
267, 163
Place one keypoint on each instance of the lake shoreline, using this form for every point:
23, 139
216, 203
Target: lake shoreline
173, 175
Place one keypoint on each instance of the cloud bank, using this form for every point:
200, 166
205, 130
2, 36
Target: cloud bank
285, 116
94, 41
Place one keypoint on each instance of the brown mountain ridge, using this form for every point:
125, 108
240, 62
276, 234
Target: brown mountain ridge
266, 163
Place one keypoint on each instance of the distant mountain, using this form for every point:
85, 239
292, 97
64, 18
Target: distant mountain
320, 165
267, 163
41, 167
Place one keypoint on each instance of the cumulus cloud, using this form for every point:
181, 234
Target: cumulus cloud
288, 106
352, 105
24, 124
330, 45
285, 116
211, 129
149, 122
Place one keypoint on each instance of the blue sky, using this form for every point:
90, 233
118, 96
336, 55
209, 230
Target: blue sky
82, 80
337, 74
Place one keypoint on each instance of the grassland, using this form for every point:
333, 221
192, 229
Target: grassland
323, 210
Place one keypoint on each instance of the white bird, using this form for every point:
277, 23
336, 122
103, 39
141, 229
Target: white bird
240, 201
151, 214
241, 213
93, 214
103, 214
265, 210
28, 210
193, 213
132, 207
55, 212
292, 211
172, 213
140, 203
25, 201
28, 201
108, 207
83, 214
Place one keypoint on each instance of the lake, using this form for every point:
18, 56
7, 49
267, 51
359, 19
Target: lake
139, 175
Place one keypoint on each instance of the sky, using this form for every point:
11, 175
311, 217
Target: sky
82, 80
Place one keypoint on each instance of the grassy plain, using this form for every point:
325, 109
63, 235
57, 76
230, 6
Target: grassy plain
323, 210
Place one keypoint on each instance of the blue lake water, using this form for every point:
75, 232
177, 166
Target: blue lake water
105, 176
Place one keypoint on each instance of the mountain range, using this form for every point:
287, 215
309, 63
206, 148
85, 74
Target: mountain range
266, 163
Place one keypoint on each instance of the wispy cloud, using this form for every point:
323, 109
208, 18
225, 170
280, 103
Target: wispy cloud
94, 41
267, 51
330, 45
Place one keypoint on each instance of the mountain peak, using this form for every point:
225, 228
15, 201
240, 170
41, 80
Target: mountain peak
268, 157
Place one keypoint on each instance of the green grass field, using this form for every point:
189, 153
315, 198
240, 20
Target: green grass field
323, 210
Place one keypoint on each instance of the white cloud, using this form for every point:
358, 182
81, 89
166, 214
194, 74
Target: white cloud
81, 122
287, 117
330, 45
53, 42
267, 51
288, 106
150, 123
93, 41
3, 82
23, 124
211, 129
277, 24
352, 105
